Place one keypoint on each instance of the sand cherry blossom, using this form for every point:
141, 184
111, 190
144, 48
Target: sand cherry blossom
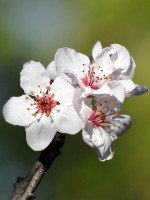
108, 68
103, 125
45, 108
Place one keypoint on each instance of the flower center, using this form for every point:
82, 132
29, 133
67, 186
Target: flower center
98, 118
45, 104
104, 113
94, 77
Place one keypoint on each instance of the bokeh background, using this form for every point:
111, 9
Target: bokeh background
35, 29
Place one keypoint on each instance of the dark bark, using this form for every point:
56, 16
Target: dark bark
24, 188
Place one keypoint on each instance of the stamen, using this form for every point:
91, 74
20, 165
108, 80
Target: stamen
46, 103
33, 97
98, 118
104, 114
94, 77
117, 114
52, 95
51, 81
48, 88
112, 102
34, 114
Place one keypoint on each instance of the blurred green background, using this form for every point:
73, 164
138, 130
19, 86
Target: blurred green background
35, 29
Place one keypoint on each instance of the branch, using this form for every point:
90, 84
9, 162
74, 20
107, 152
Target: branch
24, 188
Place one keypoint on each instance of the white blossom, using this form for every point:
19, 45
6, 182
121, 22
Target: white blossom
109, 68
103, 124
45, 108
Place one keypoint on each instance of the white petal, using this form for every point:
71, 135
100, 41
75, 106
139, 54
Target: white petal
119, 125
117, 89
100, 140
138, 90
86, 134
40, 134
103, 144
67, 120
128, 85
105, 155
123, 57
69, 61
63, 90
82, 105
98, 136
128, 74
110, 103
105, 89
104, 61
34, 75
87, 91
51, 69
133, 89
130, 71
113, 88
97, 49
16, 111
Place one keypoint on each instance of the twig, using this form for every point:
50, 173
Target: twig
24, 188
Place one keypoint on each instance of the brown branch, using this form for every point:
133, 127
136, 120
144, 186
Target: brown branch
24, 188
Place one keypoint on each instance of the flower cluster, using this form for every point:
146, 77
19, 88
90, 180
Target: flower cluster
75, 93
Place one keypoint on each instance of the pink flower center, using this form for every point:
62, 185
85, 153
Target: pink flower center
104, 113
94, 77
45, 104
98, 118
90, 82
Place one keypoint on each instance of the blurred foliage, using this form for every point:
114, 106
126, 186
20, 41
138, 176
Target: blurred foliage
35, 29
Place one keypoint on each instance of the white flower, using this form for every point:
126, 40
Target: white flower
109, 68
124, 67
103, 125
45, 108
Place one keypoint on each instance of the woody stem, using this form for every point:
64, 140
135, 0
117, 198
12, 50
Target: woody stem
24, 188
